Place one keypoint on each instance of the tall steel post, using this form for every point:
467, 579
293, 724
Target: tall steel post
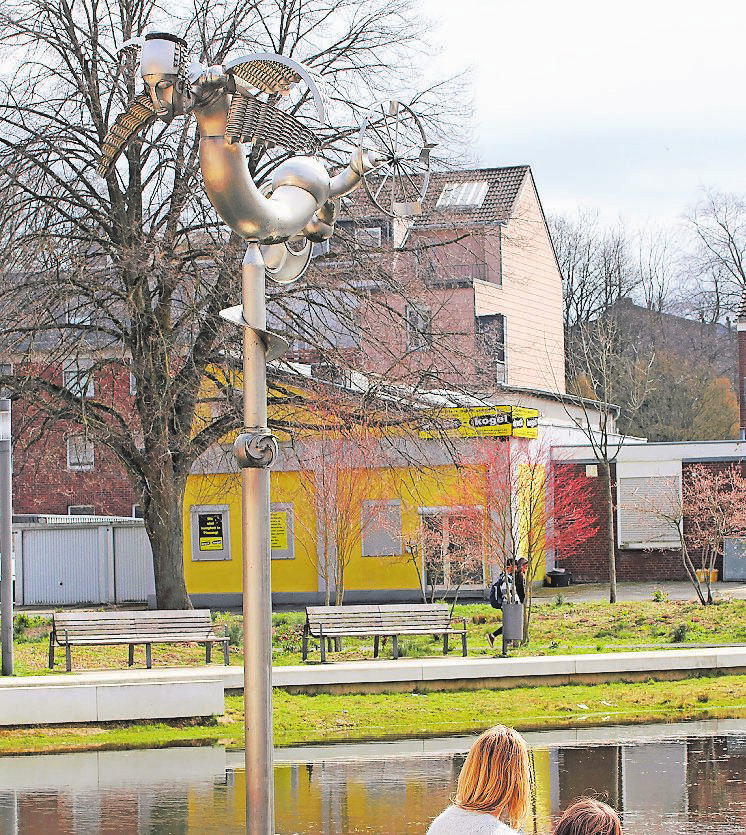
6, 540
255, 550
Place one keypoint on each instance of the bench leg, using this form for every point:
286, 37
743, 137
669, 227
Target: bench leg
304, 643
322, 646
445, 644
148, 655
463, 644
51, 650
395, 647
226, 657
338, 644
131, 655
375, 646
208, 652
68, 659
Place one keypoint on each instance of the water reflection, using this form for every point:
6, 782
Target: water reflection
678, 786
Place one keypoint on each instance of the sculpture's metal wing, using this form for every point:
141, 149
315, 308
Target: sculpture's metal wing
277, 74
263, 124
138, 116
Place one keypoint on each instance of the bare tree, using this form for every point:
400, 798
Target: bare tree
597, 265
717, 265
616, 385
130, 274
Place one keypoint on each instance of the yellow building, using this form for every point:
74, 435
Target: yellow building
351, 513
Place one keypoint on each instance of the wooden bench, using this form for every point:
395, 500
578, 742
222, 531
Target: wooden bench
80, 629
327, 623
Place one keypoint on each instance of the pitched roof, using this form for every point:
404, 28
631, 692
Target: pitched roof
503, 185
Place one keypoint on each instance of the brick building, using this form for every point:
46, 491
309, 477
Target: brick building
644, 476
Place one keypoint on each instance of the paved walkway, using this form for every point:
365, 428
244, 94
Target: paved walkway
599, 592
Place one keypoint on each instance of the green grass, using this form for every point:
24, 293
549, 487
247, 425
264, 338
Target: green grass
324, 718
555, 630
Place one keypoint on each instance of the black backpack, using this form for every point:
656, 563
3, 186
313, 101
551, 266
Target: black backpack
497, 592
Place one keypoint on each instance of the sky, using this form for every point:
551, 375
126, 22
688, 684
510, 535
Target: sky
630, 109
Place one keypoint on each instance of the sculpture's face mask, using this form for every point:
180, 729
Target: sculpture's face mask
162, 69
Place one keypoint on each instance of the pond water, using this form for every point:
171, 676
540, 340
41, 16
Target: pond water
673, 779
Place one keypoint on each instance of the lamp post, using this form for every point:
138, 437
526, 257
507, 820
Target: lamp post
234, 104
6, 540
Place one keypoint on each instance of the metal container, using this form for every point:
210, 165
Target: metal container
512, 621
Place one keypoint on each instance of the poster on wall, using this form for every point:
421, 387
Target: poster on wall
478, 422
525, 422
209, 527
210, 531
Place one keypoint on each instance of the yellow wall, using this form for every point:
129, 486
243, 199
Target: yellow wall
414, 489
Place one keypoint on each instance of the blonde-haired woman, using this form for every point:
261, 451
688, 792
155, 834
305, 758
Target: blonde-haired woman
494, 787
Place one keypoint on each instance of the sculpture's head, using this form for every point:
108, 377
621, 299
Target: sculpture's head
163, 66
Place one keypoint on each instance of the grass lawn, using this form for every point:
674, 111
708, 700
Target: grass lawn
325, 718
555, 630
563, 628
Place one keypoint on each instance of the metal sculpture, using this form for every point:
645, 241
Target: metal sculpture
236, 103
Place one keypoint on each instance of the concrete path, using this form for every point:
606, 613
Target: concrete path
198, 691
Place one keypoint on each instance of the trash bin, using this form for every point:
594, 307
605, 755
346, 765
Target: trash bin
512, 621
557, 577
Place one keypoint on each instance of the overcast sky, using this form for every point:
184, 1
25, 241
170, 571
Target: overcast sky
630, 108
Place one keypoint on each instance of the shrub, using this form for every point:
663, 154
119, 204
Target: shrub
235, 627
287, 637
679, 632
659, 596
559, 599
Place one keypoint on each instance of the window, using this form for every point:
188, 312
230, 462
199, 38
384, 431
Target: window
80, 454
419, 327
6, 370
319, 248
81, 510
133, 382
490, 333
450, 556
281, 540
644, 501
77, 313
77, 377
463, 194
209, 526
137, 511
368, 235
380, 528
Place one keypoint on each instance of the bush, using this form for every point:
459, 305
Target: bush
234, 624
287, 637
679, 632
659, 596
559, 599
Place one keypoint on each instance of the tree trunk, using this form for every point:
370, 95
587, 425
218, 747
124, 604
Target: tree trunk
163, 523
606, 470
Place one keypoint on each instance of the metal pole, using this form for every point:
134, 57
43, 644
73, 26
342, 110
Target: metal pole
257, 590
6, 540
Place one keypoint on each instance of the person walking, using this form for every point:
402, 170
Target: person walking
589, 817
493, 795
510, 587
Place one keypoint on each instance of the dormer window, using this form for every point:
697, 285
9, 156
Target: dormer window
368, 235
463, 194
